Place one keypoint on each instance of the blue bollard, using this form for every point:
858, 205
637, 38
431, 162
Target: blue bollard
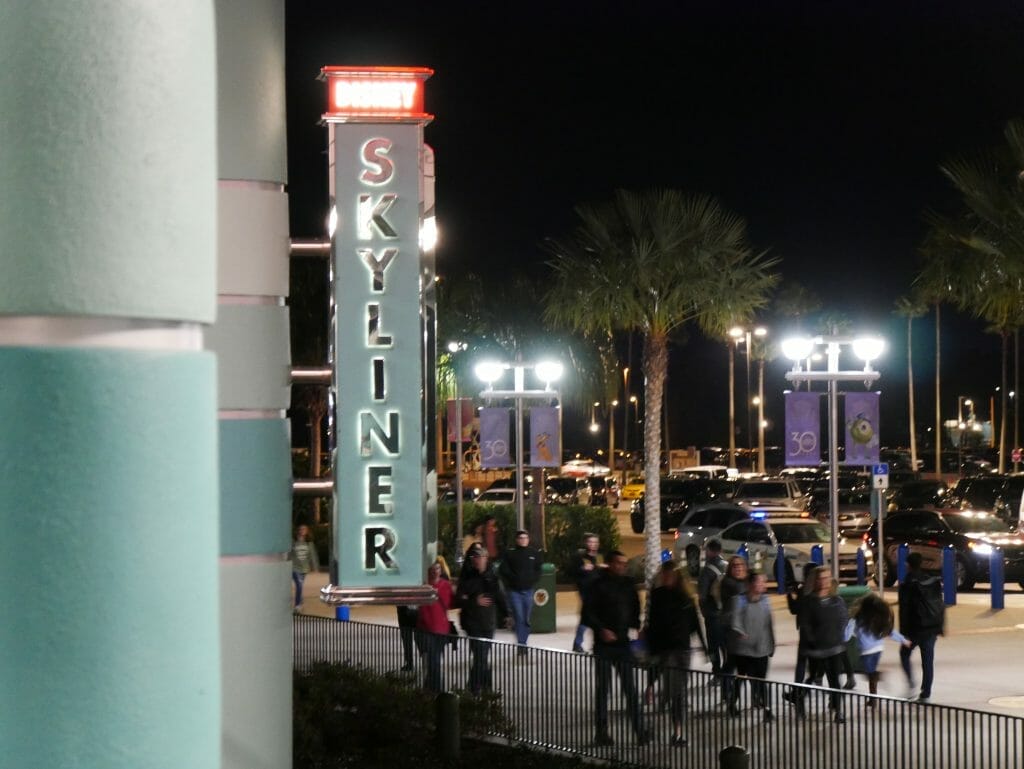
818, 555
949, 575
666, 555
997, 577
341, 613
901, 562
862, 567
742, 553
780, 570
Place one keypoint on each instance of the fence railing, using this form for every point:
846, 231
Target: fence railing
548, 696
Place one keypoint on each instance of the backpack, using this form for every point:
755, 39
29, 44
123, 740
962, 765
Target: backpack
931, 608
714, 593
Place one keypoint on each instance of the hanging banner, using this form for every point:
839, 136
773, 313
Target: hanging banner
803, 425
545, 437
861, 429
468, 420
494, 438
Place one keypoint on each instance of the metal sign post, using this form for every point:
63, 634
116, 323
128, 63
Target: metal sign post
879, 483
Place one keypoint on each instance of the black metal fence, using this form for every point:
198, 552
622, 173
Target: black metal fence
549, 698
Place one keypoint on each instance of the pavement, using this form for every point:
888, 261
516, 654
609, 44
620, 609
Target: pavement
979, 663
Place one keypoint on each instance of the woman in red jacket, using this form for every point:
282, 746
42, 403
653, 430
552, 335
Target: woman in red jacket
433, 624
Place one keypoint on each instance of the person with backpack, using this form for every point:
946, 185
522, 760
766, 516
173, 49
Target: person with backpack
922, 621
710, 605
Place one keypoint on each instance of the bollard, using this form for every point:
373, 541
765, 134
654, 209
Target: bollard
862, 567
341, 613
818, 555
780, 570
742, 553
448, 739
666, 555
997, 577
734, 757
949, 575
901, 562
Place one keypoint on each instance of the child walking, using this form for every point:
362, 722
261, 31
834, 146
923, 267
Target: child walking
871, 625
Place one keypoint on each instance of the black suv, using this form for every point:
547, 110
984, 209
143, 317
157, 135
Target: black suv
972, 535
677, 495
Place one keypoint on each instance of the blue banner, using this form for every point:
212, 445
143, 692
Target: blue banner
803, 429
861, 429
545, 437
494, 438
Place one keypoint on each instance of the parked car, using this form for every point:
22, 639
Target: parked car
972, 536
705, 471
797, 536
918, 494
567, 490
853, 513
449, 496
677, 495
783, 492
707, 520
497, 496
604, 490
634, 488
997, 494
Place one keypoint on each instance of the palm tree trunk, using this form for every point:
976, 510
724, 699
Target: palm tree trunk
732, 404
1016, 393
910, 391
1005, 338
938, 394
655, 366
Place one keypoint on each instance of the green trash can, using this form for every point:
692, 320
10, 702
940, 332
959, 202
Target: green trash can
544, 618
851, 594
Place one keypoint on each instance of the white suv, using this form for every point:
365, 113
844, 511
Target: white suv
781, 492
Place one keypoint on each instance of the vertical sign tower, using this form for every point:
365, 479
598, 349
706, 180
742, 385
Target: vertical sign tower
383, 334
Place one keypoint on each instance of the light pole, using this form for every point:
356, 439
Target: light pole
547, 372
961, 401
798, 349
625, 421
453, 349
746, 335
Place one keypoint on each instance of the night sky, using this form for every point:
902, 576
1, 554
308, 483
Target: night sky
822, 123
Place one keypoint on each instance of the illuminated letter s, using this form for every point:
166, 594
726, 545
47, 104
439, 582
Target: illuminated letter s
380, 168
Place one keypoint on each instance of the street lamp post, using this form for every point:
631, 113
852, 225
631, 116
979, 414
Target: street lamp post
745, 335
453, 349
545, 371
867, 349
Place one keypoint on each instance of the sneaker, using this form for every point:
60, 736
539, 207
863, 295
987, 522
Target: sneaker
734, 711
521, 651
603, 739
921, 700
768, 716
577, 648
678, 741
851, 683
840, 718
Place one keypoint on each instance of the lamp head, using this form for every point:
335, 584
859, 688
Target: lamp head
488, 371
797, 348
868, 348
548, 371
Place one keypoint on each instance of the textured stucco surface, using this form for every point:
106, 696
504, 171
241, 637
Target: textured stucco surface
109, 646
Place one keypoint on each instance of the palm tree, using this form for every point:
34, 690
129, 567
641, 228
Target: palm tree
911, 307
653, 262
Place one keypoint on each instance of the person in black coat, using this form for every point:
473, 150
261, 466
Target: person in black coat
520, 571
922, 621
823, 617
479, 598
611, 611
672, 622
584, 571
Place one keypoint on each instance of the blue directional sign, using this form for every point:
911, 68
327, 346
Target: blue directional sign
880, 476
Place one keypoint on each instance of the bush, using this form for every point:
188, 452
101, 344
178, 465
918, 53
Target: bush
564, 529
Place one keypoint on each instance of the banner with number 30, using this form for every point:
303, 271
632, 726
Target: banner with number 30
803, 429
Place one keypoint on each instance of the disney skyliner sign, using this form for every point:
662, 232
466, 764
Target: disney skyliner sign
383, 342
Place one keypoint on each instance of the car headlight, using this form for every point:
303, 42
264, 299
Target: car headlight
980, 548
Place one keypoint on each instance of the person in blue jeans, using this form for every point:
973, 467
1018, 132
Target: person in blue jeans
584, 572
304, 560
520, 571
922, 621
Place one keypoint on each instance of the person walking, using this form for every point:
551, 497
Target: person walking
871, 625
479, 598
304, 560
672, 622
824, 615
710, 604
751, 643
731, 585
584, 571
520, 571
922, 621
796, 598
611, 611
432, 624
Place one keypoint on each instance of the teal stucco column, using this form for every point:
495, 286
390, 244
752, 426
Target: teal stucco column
251, 341
109, 643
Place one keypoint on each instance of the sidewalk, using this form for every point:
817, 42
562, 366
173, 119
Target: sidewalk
979, 664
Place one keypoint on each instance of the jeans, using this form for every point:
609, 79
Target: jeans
434, 647
521, 604
829, 667
298, 578
577, 642
756, 669
927, 645
621, 659
716, 642
479, 666
675, 672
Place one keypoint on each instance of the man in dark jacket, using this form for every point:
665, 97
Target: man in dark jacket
479, 597
520, 571
611, 610
922, 621
713, 571
584, 571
